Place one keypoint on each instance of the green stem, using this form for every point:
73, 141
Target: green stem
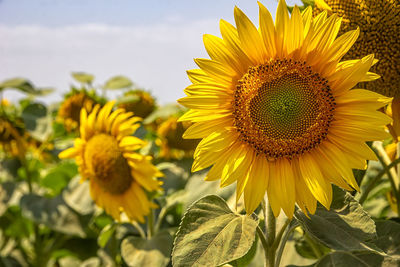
271, 232
150, 224
314, 248
282, 244
139, 229
264, 242
27, 172
398, 156
381, 153
376, 179
280, 234
160, 219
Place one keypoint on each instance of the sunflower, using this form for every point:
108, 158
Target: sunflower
105, 153
11, 138
379, 23
69, 112
276, 111
142, 105
170, 139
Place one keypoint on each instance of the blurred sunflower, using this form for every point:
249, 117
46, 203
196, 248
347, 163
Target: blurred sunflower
142, 103
69, 112
170, 139
379, 23
275, 109
11, 138
106, 155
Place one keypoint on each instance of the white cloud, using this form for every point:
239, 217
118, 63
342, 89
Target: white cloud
155, 56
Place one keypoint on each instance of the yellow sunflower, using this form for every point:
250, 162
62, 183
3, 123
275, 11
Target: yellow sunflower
106, 155
379, 23
11, 138
69, 112
276, 111
142, 106
170, 139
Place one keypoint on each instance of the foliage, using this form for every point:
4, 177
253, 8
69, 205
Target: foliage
48, 218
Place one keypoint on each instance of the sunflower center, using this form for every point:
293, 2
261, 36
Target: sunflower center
283, 108
107, 165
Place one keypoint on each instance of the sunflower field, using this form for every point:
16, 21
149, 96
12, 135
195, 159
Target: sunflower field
284, 152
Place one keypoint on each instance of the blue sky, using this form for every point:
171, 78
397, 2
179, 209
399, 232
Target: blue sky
152, 42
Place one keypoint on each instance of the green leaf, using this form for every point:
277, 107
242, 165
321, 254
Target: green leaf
362, 259
77, 196
6, 191
196, 188
118, 82
58, 177
83, 77
128, 99
304, 248
163, 112
15, 224
153, 252
388, 237
346, 226
37, 121
105, 234
246, 259
25, 86
53, 213
210, 234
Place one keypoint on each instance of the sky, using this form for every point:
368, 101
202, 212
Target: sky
151, 42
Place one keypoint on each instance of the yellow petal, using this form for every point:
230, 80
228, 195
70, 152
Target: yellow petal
199, 76
216, 141
281, 25
249, 37
208, 88
203, 129
319, 187
69, 153
267, 30
322, 5
216, 70
242, 173
218, 51
231, 38
257, 184
204, 115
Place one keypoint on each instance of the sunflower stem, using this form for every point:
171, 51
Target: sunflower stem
139, 229
264, 242
150, 224
314, 248
271, 232
392, 175
160, 219
371, 185
282, 243
280, 234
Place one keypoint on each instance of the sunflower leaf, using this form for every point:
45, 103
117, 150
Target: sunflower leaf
77, 196
137, 251
388, 237
25, 86
342, 258
37, 121
83, 77
118, 82
350, 227
210, 234
105, 234
54, 213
